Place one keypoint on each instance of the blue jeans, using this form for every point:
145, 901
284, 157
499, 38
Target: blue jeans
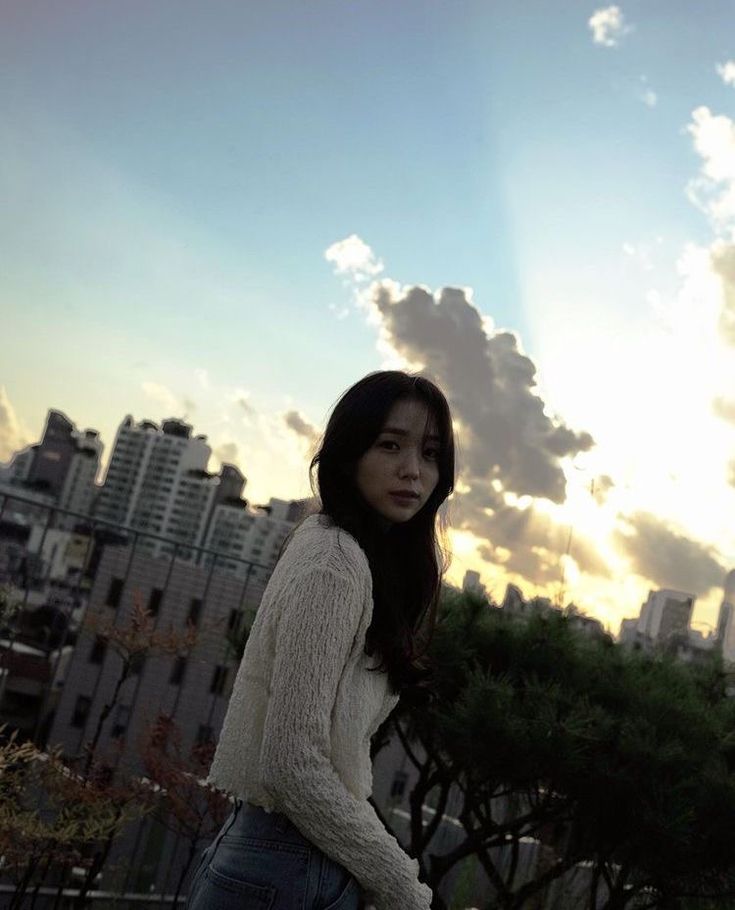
260, 861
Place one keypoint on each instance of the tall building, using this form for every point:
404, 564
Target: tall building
62, 468
471, 582
16, 472
157, 482
665, 614
53, 455
242, 534
725, 623
79, 489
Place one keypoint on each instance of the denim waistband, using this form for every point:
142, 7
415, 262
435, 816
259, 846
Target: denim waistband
249, 820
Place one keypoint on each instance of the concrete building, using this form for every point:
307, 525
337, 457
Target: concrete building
725, 622
665, 614
243, 535
62, 469
192, 688
628, 633
157, 482
62, 553
79, 489
515, 603
471, 582
53, 455
16, 472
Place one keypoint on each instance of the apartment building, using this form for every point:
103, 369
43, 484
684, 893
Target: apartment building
61, 469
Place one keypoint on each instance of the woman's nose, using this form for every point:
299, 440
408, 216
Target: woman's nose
410, 464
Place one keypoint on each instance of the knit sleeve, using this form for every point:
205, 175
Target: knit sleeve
316, 630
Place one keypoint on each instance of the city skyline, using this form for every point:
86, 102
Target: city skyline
210, 217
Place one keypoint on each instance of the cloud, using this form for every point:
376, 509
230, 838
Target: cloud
640, 253
241, 398
724, 408
226, 453
526, 542
713, 190
601, 487
301, 426
509, 446
202, 377
354, 258
163, 397
726, 71
608, 26
12, 435
667, 558
649, 97
509, 437
723, 264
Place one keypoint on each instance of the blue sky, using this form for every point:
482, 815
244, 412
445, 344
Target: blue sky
173, 173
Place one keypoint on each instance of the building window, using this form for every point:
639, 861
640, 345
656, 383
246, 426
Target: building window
195, 609
99, 649
154, 601
122, 716
81, 711
177, 671
399, 784
219, 677
115, 592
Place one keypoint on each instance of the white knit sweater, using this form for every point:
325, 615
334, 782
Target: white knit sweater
296, 736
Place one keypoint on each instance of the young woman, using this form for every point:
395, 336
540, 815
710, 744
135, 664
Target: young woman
339, 636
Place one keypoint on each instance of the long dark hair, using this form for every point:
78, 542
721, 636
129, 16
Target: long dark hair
407, 561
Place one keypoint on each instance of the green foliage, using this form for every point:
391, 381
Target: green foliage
618, 758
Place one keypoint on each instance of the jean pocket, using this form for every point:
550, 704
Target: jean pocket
225, 893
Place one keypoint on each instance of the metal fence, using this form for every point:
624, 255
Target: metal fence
66, 566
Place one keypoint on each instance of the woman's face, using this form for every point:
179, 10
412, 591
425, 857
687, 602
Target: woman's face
403, 459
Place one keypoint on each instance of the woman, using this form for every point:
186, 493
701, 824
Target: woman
333, 645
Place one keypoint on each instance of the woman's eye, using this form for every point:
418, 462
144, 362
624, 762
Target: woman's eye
431, 453
388, 442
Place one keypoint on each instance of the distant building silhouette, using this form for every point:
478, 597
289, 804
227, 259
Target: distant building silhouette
59, 470
725, 624
471, 582
665, 613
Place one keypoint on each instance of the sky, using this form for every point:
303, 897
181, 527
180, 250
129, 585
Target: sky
230, 212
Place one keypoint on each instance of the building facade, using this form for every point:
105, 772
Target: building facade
62, 469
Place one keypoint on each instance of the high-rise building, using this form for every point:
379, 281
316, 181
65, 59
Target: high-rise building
62, 468
665, 614
53, 456
16, 472
243, 535
128, 462
725, 622
157, 482
79, 490
471, 582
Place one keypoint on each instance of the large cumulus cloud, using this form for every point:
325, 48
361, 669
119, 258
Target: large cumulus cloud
509, 443
668, 558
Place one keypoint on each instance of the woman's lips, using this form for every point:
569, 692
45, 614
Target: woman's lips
404, 499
